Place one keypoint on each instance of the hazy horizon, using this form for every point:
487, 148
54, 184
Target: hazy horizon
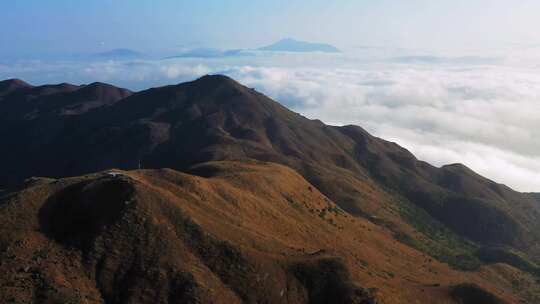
37, 27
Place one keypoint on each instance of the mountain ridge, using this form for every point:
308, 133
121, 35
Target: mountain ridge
449, 213
238, 122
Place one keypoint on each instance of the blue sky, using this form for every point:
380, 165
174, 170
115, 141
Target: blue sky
37, 26
65, 25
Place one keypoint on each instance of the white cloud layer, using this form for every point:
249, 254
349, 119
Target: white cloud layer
485, 115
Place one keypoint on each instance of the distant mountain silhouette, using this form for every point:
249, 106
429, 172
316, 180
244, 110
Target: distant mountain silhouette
291, 45
212, 53
450, 213
119, 54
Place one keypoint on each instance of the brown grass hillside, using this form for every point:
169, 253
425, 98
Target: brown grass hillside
231, 232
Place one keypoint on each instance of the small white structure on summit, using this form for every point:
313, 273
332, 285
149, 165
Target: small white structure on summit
115, 174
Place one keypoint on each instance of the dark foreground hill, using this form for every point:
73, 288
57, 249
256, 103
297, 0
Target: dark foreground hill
449, 213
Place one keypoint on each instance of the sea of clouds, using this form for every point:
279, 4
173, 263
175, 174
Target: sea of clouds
480, 111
